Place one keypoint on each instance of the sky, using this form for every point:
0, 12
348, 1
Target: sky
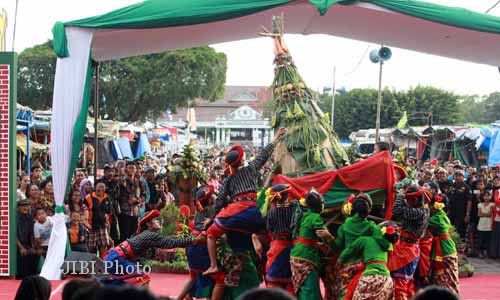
250, 61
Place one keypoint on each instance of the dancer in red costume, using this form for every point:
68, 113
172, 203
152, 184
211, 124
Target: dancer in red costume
408, 209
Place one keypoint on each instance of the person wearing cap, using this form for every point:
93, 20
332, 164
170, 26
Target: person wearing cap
139, 247
373, 280
242, 214
459, 195
442, 180
279, 223
409, 209
27, 258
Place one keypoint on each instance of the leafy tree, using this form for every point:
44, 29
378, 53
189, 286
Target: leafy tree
132, 89
37, 68
144, 87
492, 107
357, 109
472, 109
425, 99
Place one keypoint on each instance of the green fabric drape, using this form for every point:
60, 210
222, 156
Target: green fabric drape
161, 13
338, 193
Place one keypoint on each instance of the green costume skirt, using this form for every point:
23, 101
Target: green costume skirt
249, 279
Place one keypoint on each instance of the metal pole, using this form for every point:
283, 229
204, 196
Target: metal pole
379, 103
96, 116
333, 96
28, 159
15, 25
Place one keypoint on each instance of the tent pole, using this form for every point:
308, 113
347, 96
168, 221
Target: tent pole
96, 116
379, 103
28, 158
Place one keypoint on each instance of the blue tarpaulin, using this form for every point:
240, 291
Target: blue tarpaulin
124, 145
494, 155
143, 146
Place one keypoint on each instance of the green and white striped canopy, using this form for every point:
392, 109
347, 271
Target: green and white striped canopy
157, 25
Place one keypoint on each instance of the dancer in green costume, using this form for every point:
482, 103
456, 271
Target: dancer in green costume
357, 207
305, 254
444, 259
373, 280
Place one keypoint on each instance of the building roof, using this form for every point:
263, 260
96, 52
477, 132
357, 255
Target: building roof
234, 97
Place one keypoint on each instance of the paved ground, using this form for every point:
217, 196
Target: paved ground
485, 266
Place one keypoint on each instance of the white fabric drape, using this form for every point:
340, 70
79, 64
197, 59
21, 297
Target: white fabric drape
71, 73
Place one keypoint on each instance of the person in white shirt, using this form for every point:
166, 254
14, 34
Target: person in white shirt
485, 211
42, 230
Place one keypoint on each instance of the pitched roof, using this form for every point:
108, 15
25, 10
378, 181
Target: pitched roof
234, 97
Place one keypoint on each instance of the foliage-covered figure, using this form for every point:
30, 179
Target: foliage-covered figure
187, 173
311, 144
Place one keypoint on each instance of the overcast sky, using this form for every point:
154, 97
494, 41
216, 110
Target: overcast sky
250, 61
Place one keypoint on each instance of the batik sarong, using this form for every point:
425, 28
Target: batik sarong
305, 279
346, 272
445, 273
247, 278
374, 287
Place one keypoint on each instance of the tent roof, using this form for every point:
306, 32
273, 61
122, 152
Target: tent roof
157, 25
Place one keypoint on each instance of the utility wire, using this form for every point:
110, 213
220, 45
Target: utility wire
494, 5
359, 62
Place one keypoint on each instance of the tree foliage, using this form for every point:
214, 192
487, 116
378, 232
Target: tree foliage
357, 108
131, 89
37, 68
144, 87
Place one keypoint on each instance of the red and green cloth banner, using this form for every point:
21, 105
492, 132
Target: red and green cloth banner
374, 175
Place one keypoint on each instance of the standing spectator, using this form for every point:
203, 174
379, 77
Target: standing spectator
471, 218
459, 194
47, 197
42, 230
152, 194
77, 233
99, 205
495, 238
76, 204
215, 180
24, 182
111, 179
85, 188
79, 176
36, 174
442, 180
129, 199
166, 196
33, 195
26, 255
485, 214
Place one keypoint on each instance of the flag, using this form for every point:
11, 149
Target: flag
403, 122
